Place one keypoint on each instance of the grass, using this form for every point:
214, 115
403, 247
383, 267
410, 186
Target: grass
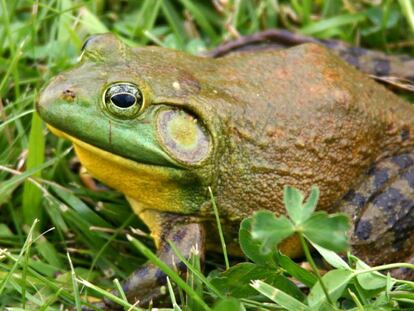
37, 176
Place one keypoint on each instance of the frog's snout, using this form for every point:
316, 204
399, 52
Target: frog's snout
57, 90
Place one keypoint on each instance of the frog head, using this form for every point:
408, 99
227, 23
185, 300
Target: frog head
135, 122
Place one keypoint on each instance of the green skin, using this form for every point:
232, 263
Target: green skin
298, 117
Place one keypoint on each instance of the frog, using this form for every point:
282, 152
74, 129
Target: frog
392, 70
166, 128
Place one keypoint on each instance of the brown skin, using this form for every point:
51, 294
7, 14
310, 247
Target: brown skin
295, 117
396, 70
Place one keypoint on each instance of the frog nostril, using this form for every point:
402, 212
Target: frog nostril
68, 95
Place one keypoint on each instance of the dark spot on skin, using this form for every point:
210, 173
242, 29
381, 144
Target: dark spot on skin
357, 51
403, 160
380, 178
405, 134
349, 195
398, 212
179, 235
409, 177
161, 277
332, 44
382, 66
371, 170
403, 228
359, 200
181, 267
388, 199
125, 287
411, 78
68, 95
350, 59
355, 198
363, 230
165, 248
403, 272
398, 244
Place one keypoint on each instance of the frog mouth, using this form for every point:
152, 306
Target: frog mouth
154, 186
90, 153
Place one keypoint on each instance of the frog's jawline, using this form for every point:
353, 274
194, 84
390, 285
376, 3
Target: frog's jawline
94, 149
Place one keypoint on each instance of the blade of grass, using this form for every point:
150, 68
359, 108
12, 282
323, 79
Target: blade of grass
32, 195
10, 120
118, 287
109, 295
146, 18
168, 271
175, 22
333, 22
278, 296
193, 280
33, 273
172, 296
74, 284
7, 187
407, 8
315, 268
26, 244
200, 18
223, 243
195, 271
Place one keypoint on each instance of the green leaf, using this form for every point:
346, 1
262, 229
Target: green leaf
175, 22
278, 296
369, 280
200, 17
310, 204
48, 252
80, 207
193, 280
296, 209
270, 230
293, 199
235, 281
333, 22
229, 304
328, 231
335, 281
91, 22
300, 274
332, 258
251, 247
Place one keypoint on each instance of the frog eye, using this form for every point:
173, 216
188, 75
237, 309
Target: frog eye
123, 99
183, 136
87, 42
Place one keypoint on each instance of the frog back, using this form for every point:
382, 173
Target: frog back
300, 117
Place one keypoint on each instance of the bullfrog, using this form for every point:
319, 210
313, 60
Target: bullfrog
162, 127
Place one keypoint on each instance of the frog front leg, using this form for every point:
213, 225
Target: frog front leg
145, 284
382, 211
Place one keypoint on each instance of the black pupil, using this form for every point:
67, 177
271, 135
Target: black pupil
123, 100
